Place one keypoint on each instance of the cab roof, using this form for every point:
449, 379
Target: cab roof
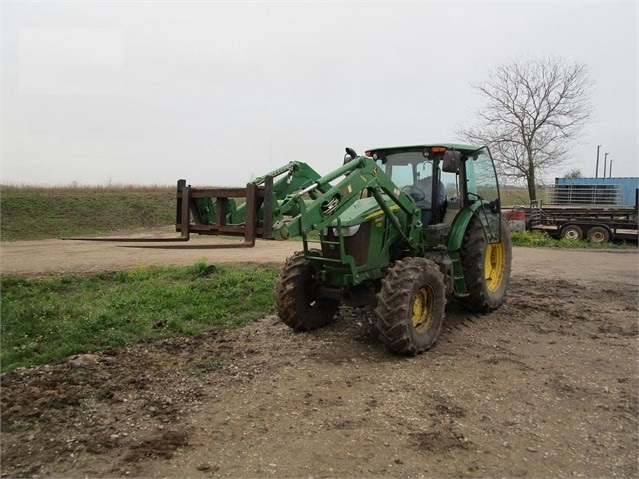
464, 148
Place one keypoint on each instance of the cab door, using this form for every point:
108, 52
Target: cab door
482, 191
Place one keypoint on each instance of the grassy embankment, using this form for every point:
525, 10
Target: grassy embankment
31, 213
47, 319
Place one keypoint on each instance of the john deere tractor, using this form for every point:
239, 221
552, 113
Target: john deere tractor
403, 229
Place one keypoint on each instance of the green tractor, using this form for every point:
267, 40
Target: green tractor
402, 229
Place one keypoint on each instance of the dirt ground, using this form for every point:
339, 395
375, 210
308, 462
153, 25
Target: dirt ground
544, 387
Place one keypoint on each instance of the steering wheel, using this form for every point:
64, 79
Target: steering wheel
414, 192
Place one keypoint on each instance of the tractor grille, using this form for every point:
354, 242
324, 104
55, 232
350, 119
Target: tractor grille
356, 245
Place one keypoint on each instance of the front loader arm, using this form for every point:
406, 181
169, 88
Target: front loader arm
298, 176
287, 179
360, 175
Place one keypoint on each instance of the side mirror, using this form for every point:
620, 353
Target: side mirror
451, 161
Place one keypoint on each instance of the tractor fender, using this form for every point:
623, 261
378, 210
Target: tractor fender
459, 226
455, 240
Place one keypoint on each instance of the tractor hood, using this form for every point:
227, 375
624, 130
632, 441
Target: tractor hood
362, 210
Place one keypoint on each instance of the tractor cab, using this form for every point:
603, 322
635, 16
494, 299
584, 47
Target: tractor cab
442, 179
418, 172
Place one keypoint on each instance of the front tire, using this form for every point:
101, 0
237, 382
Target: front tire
296, 299
410, 306
486, 267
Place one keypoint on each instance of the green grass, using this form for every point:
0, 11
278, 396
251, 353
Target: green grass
541, 240
49, 318
32, 213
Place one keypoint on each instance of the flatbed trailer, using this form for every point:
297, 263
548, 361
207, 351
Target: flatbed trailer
598, 223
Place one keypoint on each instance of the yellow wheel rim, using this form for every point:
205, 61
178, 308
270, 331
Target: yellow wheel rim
494, 265
423, 309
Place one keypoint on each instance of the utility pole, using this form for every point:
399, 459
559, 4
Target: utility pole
605, 163
610, 170
597, 167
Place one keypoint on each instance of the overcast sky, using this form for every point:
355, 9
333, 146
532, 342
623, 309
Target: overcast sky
219, 92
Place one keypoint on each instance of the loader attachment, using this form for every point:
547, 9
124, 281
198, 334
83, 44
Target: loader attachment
213, 211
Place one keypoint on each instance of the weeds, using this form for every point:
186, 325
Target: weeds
542, 240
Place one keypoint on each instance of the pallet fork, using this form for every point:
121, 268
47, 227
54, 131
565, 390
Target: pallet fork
190, 218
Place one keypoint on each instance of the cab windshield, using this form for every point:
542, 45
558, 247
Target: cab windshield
407, 168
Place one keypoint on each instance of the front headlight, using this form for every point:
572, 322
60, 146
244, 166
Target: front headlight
348, 231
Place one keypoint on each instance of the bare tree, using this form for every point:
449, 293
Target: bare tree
533, 109
576, 173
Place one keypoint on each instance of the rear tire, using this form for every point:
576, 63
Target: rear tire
598, 234
410, 306
572, 232
486, 267
295, 296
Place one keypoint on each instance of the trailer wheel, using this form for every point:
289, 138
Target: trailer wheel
486, 267
572, 232
410, 306
295, 297
598, 234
